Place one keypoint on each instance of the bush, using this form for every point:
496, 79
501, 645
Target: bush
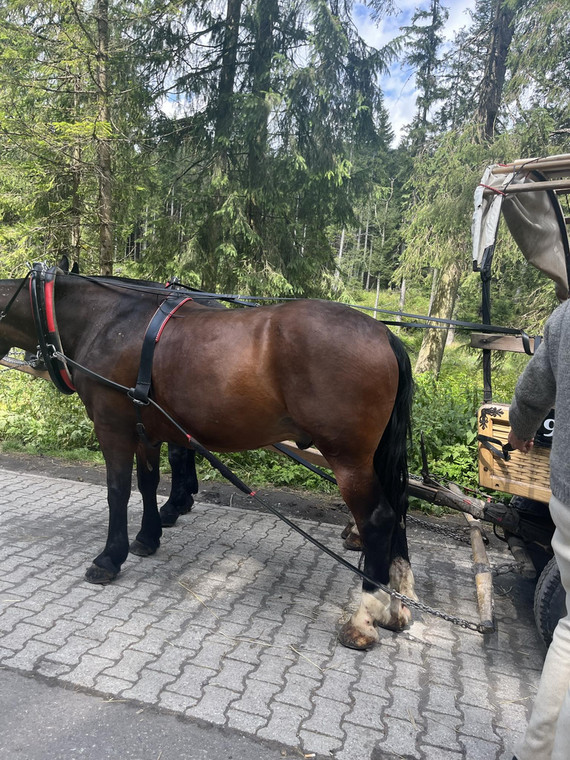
35, 417
445, 412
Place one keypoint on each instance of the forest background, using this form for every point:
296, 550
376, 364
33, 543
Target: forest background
245, 146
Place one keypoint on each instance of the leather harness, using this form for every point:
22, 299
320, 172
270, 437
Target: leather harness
42, 283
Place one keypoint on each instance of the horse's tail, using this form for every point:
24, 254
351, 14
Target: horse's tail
391, 456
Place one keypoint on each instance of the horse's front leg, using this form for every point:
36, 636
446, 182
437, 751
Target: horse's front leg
184, 484
148, 476
118, 455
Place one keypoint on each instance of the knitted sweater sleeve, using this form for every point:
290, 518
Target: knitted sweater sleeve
535, 391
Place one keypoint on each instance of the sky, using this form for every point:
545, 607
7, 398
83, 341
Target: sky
399, 87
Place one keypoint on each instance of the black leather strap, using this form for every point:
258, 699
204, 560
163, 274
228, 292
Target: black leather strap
140, 393
487, 442
48, 338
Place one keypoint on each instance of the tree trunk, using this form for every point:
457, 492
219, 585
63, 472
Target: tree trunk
224, 107
365, 249
340, 254
266, 15
212, 234
402, 301
494, 77
104, 207
433, 344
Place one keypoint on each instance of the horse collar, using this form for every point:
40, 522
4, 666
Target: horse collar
42, 285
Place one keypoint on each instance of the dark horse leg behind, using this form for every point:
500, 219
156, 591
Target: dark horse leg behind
184, 484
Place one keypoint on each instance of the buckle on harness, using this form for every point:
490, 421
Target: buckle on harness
142, 401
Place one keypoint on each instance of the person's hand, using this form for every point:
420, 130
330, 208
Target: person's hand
520, 443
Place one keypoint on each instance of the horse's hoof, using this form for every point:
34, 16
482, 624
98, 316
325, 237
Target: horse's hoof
353, 542
140, 549
169, 513
99, 575
400, 620
347, 528
187, 508
168, 520
352, 637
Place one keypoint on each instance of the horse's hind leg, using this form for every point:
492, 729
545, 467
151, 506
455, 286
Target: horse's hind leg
351, 536
184, 484
148, 476
385, 561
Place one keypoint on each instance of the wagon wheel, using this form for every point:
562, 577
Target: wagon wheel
549, 601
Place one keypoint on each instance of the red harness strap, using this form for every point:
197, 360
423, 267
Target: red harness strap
42, 283
155, 328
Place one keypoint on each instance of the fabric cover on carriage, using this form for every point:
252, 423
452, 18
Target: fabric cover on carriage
534, 219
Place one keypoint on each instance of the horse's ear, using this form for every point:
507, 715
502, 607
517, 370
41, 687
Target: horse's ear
75, 268
64, 264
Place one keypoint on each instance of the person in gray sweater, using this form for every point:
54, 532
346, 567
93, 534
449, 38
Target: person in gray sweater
545, 383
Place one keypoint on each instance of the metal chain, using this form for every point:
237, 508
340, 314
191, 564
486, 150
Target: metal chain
507, 567
458, 534
469, 624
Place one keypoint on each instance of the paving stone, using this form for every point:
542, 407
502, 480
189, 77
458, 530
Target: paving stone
87, 670
177, 703
327, 717
400, 738
256, 698
441, 731
130, 665
244, 721
258, 650
59, 631
284, 724
360, 742
322, 745
12, 615
71, 651
148, 686
213, 705
298, 691
111, 686
113, 644
19, 635
404, 704
478, 749
28, 657
191, 680
366, 710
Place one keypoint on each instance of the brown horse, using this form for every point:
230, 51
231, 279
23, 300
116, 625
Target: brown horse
312, 371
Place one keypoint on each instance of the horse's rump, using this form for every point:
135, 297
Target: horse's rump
244, 379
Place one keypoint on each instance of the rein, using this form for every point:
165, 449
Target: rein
429, 323
236, 481
6, 309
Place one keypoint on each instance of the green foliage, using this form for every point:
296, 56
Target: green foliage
261, 467
37, 418
445, 412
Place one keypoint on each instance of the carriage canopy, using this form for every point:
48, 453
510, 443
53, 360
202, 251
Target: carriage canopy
526, 193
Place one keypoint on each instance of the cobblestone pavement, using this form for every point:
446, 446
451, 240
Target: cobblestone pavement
234, 621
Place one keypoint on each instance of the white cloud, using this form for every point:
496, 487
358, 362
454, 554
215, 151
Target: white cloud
399, 86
